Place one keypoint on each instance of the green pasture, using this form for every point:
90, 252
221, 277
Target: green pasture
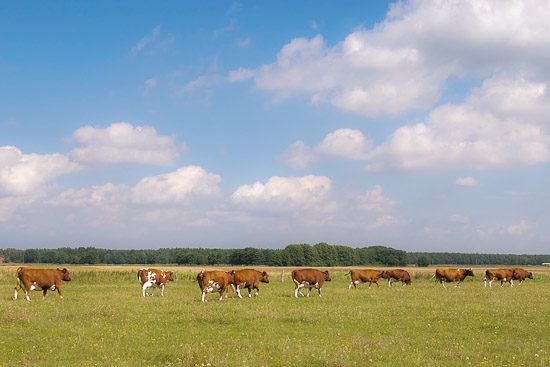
104, 321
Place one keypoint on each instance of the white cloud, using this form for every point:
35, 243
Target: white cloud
375, 201
522, 228
182, 186
122, 143
403, 63
146, 40
475, 134
346, 143
457, 218
386, 221
466, 181
96, 196
244, 42
298, 156
283, 193
23, 174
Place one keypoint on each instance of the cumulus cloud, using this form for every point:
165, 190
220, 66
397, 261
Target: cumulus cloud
298, 156
403, 63
182, 186
386, 221
375, 201
466, 181
23, 174
282, 193
123, 143
475, 134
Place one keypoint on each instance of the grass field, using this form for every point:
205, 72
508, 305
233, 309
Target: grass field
104, 321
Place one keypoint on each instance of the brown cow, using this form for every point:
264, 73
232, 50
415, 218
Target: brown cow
309, 278
521, 274
153, 278
249, 278
40, 280
451, 275
504, 275
213, 281
397, 274
363, 276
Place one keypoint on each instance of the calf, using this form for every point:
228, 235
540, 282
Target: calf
504, 275
249, 278
309, 278
364, 276
213, 281
451, 275
397, 274
153, 278
521, 274
40, 280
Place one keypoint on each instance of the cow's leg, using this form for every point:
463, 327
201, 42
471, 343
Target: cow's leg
44, 291
308, 292
221, 292
485, 282
350, 284
436, 281
257, 287
144, 286
239, 291
59, 290
443, 283
491, 283
16, 289
296, 291
377, 284
457, 285
153, 291
319, 291
511, 282
250, 292
203, 295
389, 282
162, 290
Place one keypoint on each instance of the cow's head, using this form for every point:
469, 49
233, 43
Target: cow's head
327, 276
530, 276
468, 273
408, 282
64, 274
169, 275
264, 278
385, 274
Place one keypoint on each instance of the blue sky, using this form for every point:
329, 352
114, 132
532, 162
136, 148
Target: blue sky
418, 125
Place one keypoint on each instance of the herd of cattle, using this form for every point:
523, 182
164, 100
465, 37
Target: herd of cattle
30, 279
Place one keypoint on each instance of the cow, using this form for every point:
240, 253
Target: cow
153, 278
363, 276
397, 274
309, 278
249, 278
40, 280
504, 275
213, 281
521, 274
451, 275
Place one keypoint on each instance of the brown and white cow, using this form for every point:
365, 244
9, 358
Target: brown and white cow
40, 280
153, 278
364, 276
504, 275
249, 278
521, 274
397, 274
213, 281
451, 275
309, 278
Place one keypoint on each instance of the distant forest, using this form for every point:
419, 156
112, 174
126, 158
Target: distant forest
321, 254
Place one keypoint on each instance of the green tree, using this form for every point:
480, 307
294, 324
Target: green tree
423, 261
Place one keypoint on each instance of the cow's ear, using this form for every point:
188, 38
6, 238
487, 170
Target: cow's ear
264, 273
326, 272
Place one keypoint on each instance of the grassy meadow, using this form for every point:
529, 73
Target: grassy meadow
104, 321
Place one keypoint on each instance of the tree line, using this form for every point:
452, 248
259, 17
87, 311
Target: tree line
321, 254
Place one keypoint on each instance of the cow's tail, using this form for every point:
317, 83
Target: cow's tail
349, 272
139, 274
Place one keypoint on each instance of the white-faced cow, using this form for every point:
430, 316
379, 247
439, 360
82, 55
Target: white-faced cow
249, 278
153, 278
40, 280
309, 278
213, 281
521, 274
396, 275
451, 275
504, 275
364, 276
